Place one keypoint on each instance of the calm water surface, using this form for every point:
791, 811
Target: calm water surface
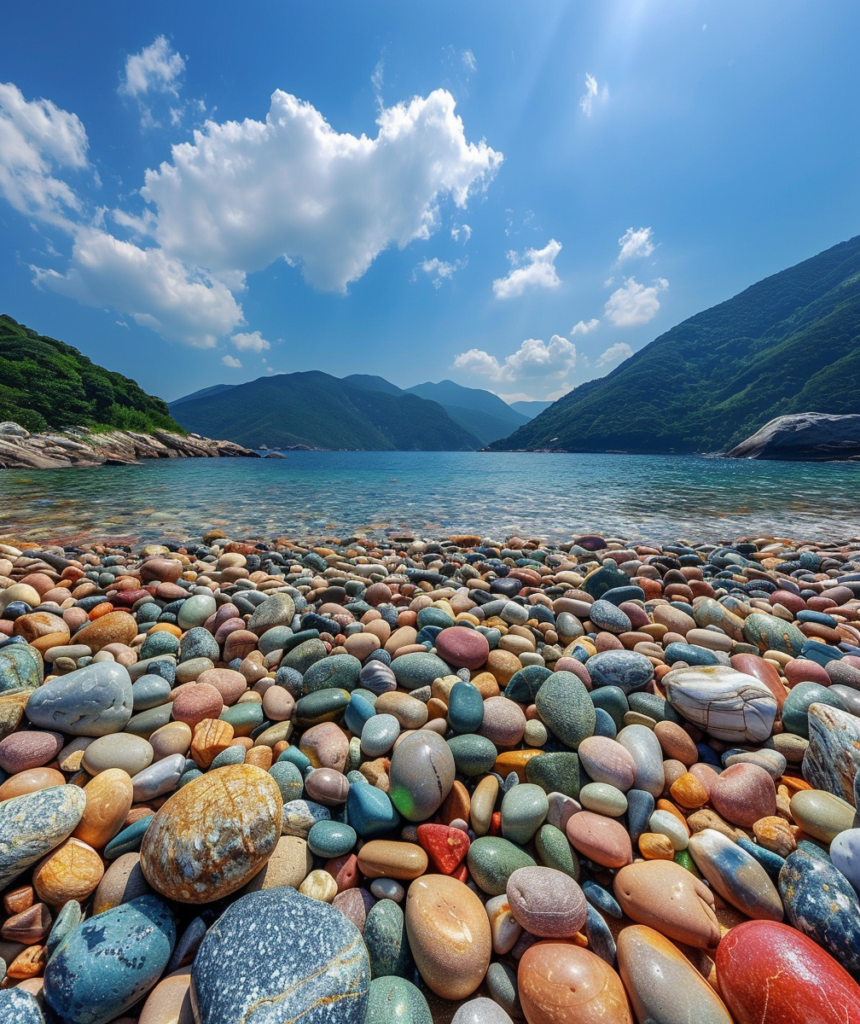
314, 494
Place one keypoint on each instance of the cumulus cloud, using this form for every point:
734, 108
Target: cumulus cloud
635, 244
179, 302
156, 68
469, 62
534, 358
253, 342
243, 195
593, 94
615, 354
36, 139
539, 272
232, 362
584, 328
634, 304
439, 270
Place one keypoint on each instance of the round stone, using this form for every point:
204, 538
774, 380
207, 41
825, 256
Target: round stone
822, 814
122, 750
667, 897
601, 839
845, 854
547, 903
628, 670
560, 983
312, 961
109, 798
493, 860
331, 839
395, 999
524, 809
607, 761
422, 774
462, 647
564, 705
743, 794
213, 835
449, 935
70, 872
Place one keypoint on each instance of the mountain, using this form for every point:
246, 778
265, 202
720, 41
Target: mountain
370, 382
216, 389
530, 409
46, 383
322, 411
788, 344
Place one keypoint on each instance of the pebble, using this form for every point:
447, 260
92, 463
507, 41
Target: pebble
93, 701
735, 875
845, 854
394, 999
560, 983
320, 962
422, 774
822, 814
546, 903
670, 899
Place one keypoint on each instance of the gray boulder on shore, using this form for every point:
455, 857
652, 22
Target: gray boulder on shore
803, 437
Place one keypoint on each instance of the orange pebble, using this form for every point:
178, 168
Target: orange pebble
260, 756
166, 627
688, 792
654, 846
101, 609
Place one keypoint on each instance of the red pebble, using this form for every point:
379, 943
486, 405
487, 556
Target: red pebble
444, 845
772, 974
344, 870
496, 824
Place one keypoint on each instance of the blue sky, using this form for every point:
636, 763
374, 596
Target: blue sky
515, 196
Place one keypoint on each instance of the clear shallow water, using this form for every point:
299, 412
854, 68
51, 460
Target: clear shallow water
315, 494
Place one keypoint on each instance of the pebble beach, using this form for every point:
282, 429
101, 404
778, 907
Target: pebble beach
459, 780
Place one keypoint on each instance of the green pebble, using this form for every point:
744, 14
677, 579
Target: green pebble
392, 1000
603, 799
232, 755
465, 708
243, 717
387, 945
684, 858
566, 708
473, 755
331, 839
338, 671
523, 810
555, 851
296, 757
555, 773
319, 707
304, 655
288, 778
492, 860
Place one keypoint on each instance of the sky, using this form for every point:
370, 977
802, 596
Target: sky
513, 196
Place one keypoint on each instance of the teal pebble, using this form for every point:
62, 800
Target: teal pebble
465, 708
339, 671
473, 755
795, 711
231, 755
331, 839
392, 1000
129, 840
523, 811
387, 945
296, 757
370, 811
289, 780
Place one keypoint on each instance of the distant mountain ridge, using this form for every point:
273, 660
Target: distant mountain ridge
317, 410
481, 415
788, 344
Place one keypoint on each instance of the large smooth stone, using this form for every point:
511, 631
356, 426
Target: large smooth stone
845, 854
642, 745
277, 955
481, 1011
276, 610
213, 835
821, 903
773, 974
667, 897
832, 759
110, 961
560, 983
627, 670
524, 809
547, 903
736, 875
130, 753
769, 633
392, 1000
33, 824
743, 794
607, 761
422, 774
20, 668
449, 935
822, 814
601, 839
493, 860
663, 986
91, 701
726, 704
564, 705
462, 647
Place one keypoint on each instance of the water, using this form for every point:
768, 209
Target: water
319, 494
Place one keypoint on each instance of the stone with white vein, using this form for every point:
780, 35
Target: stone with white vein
724, 703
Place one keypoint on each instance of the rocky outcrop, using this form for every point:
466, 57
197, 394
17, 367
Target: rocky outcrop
76, 446
803, 437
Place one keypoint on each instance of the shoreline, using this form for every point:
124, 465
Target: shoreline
246, 730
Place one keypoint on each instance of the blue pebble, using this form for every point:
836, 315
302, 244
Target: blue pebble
601, 898
370, 811
599, 937
770, 861
603, 724
129, 840
640, 807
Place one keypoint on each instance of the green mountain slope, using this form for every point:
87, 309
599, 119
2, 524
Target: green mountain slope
790, 343
322, 411
481, 412
46, 383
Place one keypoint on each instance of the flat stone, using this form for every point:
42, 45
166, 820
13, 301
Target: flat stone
662, 984
726, 704
93, 701
34, 824
110, 961
213, 835
297, 955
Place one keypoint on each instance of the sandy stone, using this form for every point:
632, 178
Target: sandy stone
170, 1001
30, 781
560, 983
71, 872
665, 896
109, 799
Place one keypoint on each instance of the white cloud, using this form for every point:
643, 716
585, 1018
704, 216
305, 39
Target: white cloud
584, 328
244, 194
635, 244
634, 304
539, 272
534, 358
461, 229
469, 62
439, 270
155, 69
232, 362
158, 291
615, 354
36, 137
593, 94
377, 79
253, 342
